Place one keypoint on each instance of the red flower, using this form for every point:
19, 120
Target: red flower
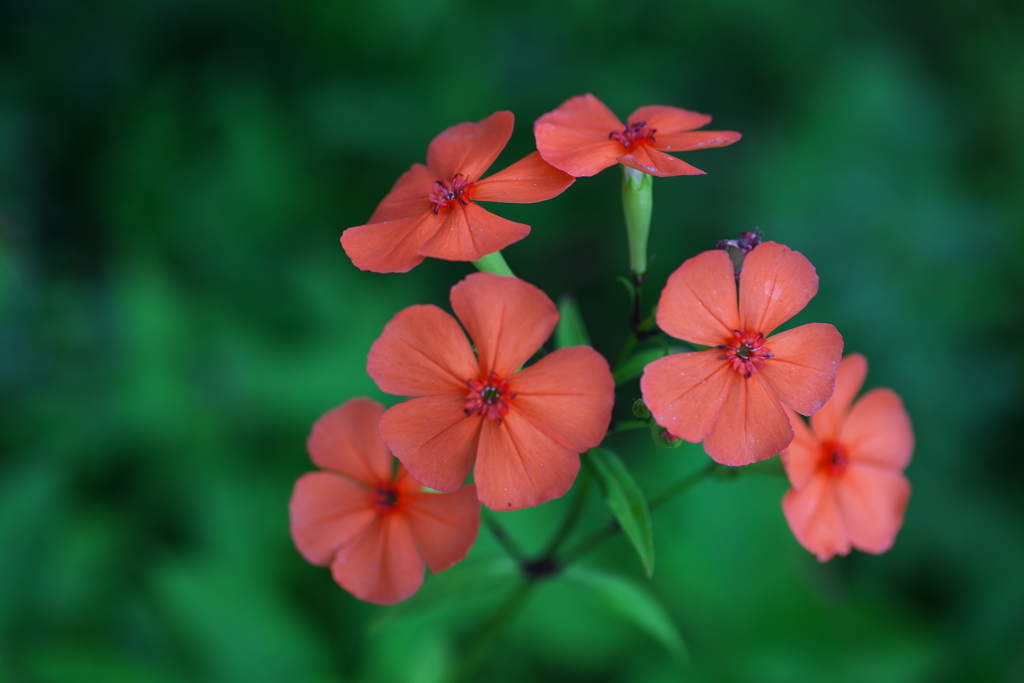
376, 528
732, 395
524, 428
432, 210
583, 137
847, 469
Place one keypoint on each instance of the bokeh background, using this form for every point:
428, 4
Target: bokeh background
176, 311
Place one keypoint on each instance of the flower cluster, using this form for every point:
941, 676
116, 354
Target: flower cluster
492, 417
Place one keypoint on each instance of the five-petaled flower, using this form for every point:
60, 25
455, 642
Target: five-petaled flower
731, 396
523, 428
583, 137
432, 210
847, 469
376, 527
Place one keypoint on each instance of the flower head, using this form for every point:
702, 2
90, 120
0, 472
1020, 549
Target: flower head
432, 210
376, 527
523, 428
731, 396
583, 137
847, 469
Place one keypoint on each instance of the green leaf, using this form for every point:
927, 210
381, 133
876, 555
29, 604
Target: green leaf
626, 501
570, 331
634, 366
634, 604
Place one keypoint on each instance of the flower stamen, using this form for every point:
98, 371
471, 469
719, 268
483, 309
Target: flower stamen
747, 353
457, 190
387, 498
834, 458
633, 132
489, 397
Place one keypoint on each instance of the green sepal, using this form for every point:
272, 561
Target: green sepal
571, 330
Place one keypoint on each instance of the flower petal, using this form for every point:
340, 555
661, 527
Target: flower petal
471, 232
327, 512
507, 318
574, 137
531, 179
802, 456
872, 502
667, 120
381, 566
775, 284
408, 196
685, 392
392, 246
701, 139
518, 465
877, 431
648, 159
803, 370
470, 148
434, 439
849, 379
814, 517
698, 303
568, 395
444, 525
752, 425
422, 352
345, 440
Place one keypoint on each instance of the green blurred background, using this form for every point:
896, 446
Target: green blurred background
176, 311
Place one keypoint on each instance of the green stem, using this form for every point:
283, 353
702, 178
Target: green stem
503, 538
614, 529
682, 485
627, 348
488, 635
626, 426
570, 519
494, 263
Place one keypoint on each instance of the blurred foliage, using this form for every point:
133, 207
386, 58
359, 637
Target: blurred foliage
176, 311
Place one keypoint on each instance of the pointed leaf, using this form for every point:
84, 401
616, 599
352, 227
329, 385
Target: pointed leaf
570, 331
633, 603
626, 501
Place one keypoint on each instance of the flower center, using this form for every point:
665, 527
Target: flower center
489, 397
747, 353
633, 132
834, 458
457, 190
387, 498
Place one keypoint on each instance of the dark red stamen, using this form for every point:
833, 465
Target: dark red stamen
387, 497
457, 190
747, 353
489, 397
633, 132
834, 458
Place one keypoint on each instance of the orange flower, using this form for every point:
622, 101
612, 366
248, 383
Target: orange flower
432, 210
847, 469
376, 528
524, 428
732, 396
583, 137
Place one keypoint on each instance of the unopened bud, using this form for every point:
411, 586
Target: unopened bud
739, 248
664, 438
640, 410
